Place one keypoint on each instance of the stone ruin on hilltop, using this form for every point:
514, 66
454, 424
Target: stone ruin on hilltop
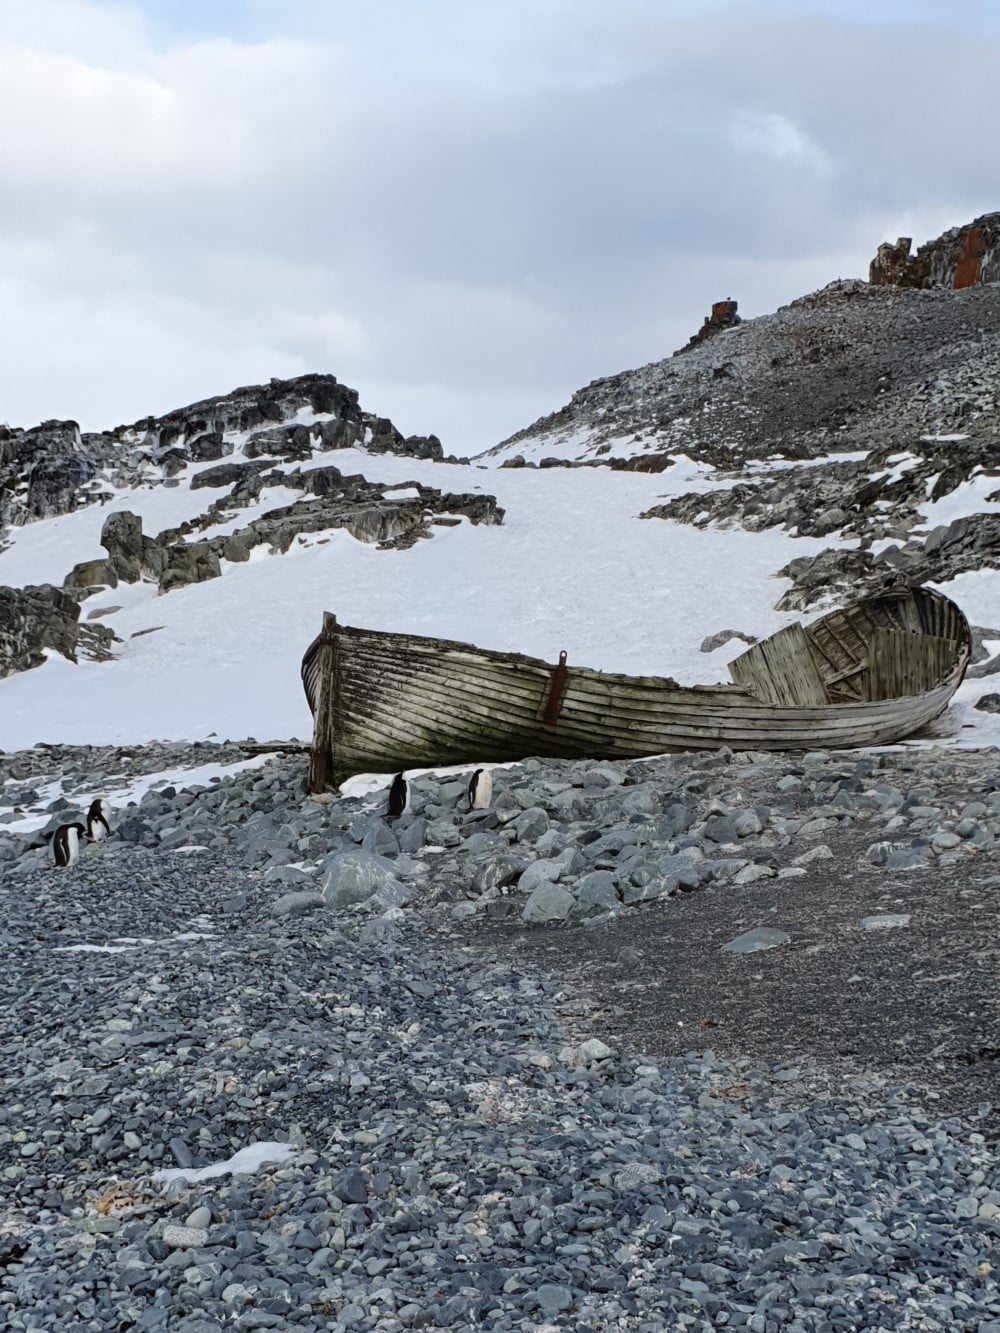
963, 257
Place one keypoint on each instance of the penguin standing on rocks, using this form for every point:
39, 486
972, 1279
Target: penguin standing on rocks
480, 790
98, 827
399, 797
66, 843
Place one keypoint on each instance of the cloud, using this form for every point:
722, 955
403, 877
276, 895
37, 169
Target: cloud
469, 208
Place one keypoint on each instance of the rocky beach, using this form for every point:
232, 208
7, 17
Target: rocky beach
703, 1041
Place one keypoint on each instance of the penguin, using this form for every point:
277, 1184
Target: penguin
98, 827
66, 843
399, 797
480, 790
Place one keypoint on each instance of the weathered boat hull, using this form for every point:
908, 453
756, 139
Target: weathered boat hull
384, 702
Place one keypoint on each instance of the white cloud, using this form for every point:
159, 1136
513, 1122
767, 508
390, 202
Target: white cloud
469, 206
773, 134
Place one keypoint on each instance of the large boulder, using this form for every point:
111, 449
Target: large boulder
349, 878
292, 442
121, 537
33, 619
188, 562
91, 574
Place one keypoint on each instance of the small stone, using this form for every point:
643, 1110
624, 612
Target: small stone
886, 922
295, 904
748, 823
349, 1186
185, 1238
586, 1053
722, 828
820, 852
636, 1175
549, 902
749, 874
554, 1297
907, 858
945, 841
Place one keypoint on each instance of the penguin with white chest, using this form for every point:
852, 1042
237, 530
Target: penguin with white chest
399, 797
480, 789
66, 843
98, 827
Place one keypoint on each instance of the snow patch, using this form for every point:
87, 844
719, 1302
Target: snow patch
244, 1162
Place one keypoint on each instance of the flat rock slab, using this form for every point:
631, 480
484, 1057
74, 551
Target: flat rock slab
754, 941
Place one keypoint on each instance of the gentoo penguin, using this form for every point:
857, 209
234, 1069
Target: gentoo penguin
480, 789
98, 827
399, 797
66, 843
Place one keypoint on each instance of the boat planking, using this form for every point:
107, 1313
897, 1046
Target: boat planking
871, 673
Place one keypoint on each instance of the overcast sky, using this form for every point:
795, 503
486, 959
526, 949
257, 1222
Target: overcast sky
466, 209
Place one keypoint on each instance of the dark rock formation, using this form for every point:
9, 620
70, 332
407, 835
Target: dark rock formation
122, 538
723, 316
209, 446
52, 468
226, 474
184, 563
42, 471
352, 503
894, 266
33, 619
92, 574
291, 442
868, 499
969, 543
962, 257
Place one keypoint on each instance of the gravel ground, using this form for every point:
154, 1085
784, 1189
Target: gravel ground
919, 997
459, 1160
459, 1120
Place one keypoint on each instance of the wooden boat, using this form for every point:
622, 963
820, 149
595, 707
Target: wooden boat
869, 674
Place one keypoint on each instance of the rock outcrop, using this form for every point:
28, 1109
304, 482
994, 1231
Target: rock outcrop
33, 619
962, 257
43, 471
369, 511
52, 468
723, 317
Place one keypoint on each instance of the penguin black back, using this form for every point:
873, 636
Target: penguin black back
98, 827
398, 797
66, 843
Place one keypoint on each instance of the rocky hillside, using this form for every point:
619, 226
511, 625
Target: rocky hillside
53, 468
883, 396
853, 366
240, 448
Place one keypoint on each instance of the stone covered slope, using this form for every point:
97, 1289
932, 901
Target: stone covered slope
54, 468
851, 366
876, 504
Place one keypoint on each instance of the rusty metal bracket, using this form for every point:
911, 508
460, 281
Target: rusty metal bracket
557, 692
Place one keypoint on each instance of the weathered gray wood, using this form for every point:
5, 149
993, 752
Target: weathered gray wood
384, 702
321, 759
781, 670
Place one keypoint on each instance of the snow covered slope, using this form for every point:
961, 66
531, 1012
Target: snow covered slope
572, 567
625, 550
